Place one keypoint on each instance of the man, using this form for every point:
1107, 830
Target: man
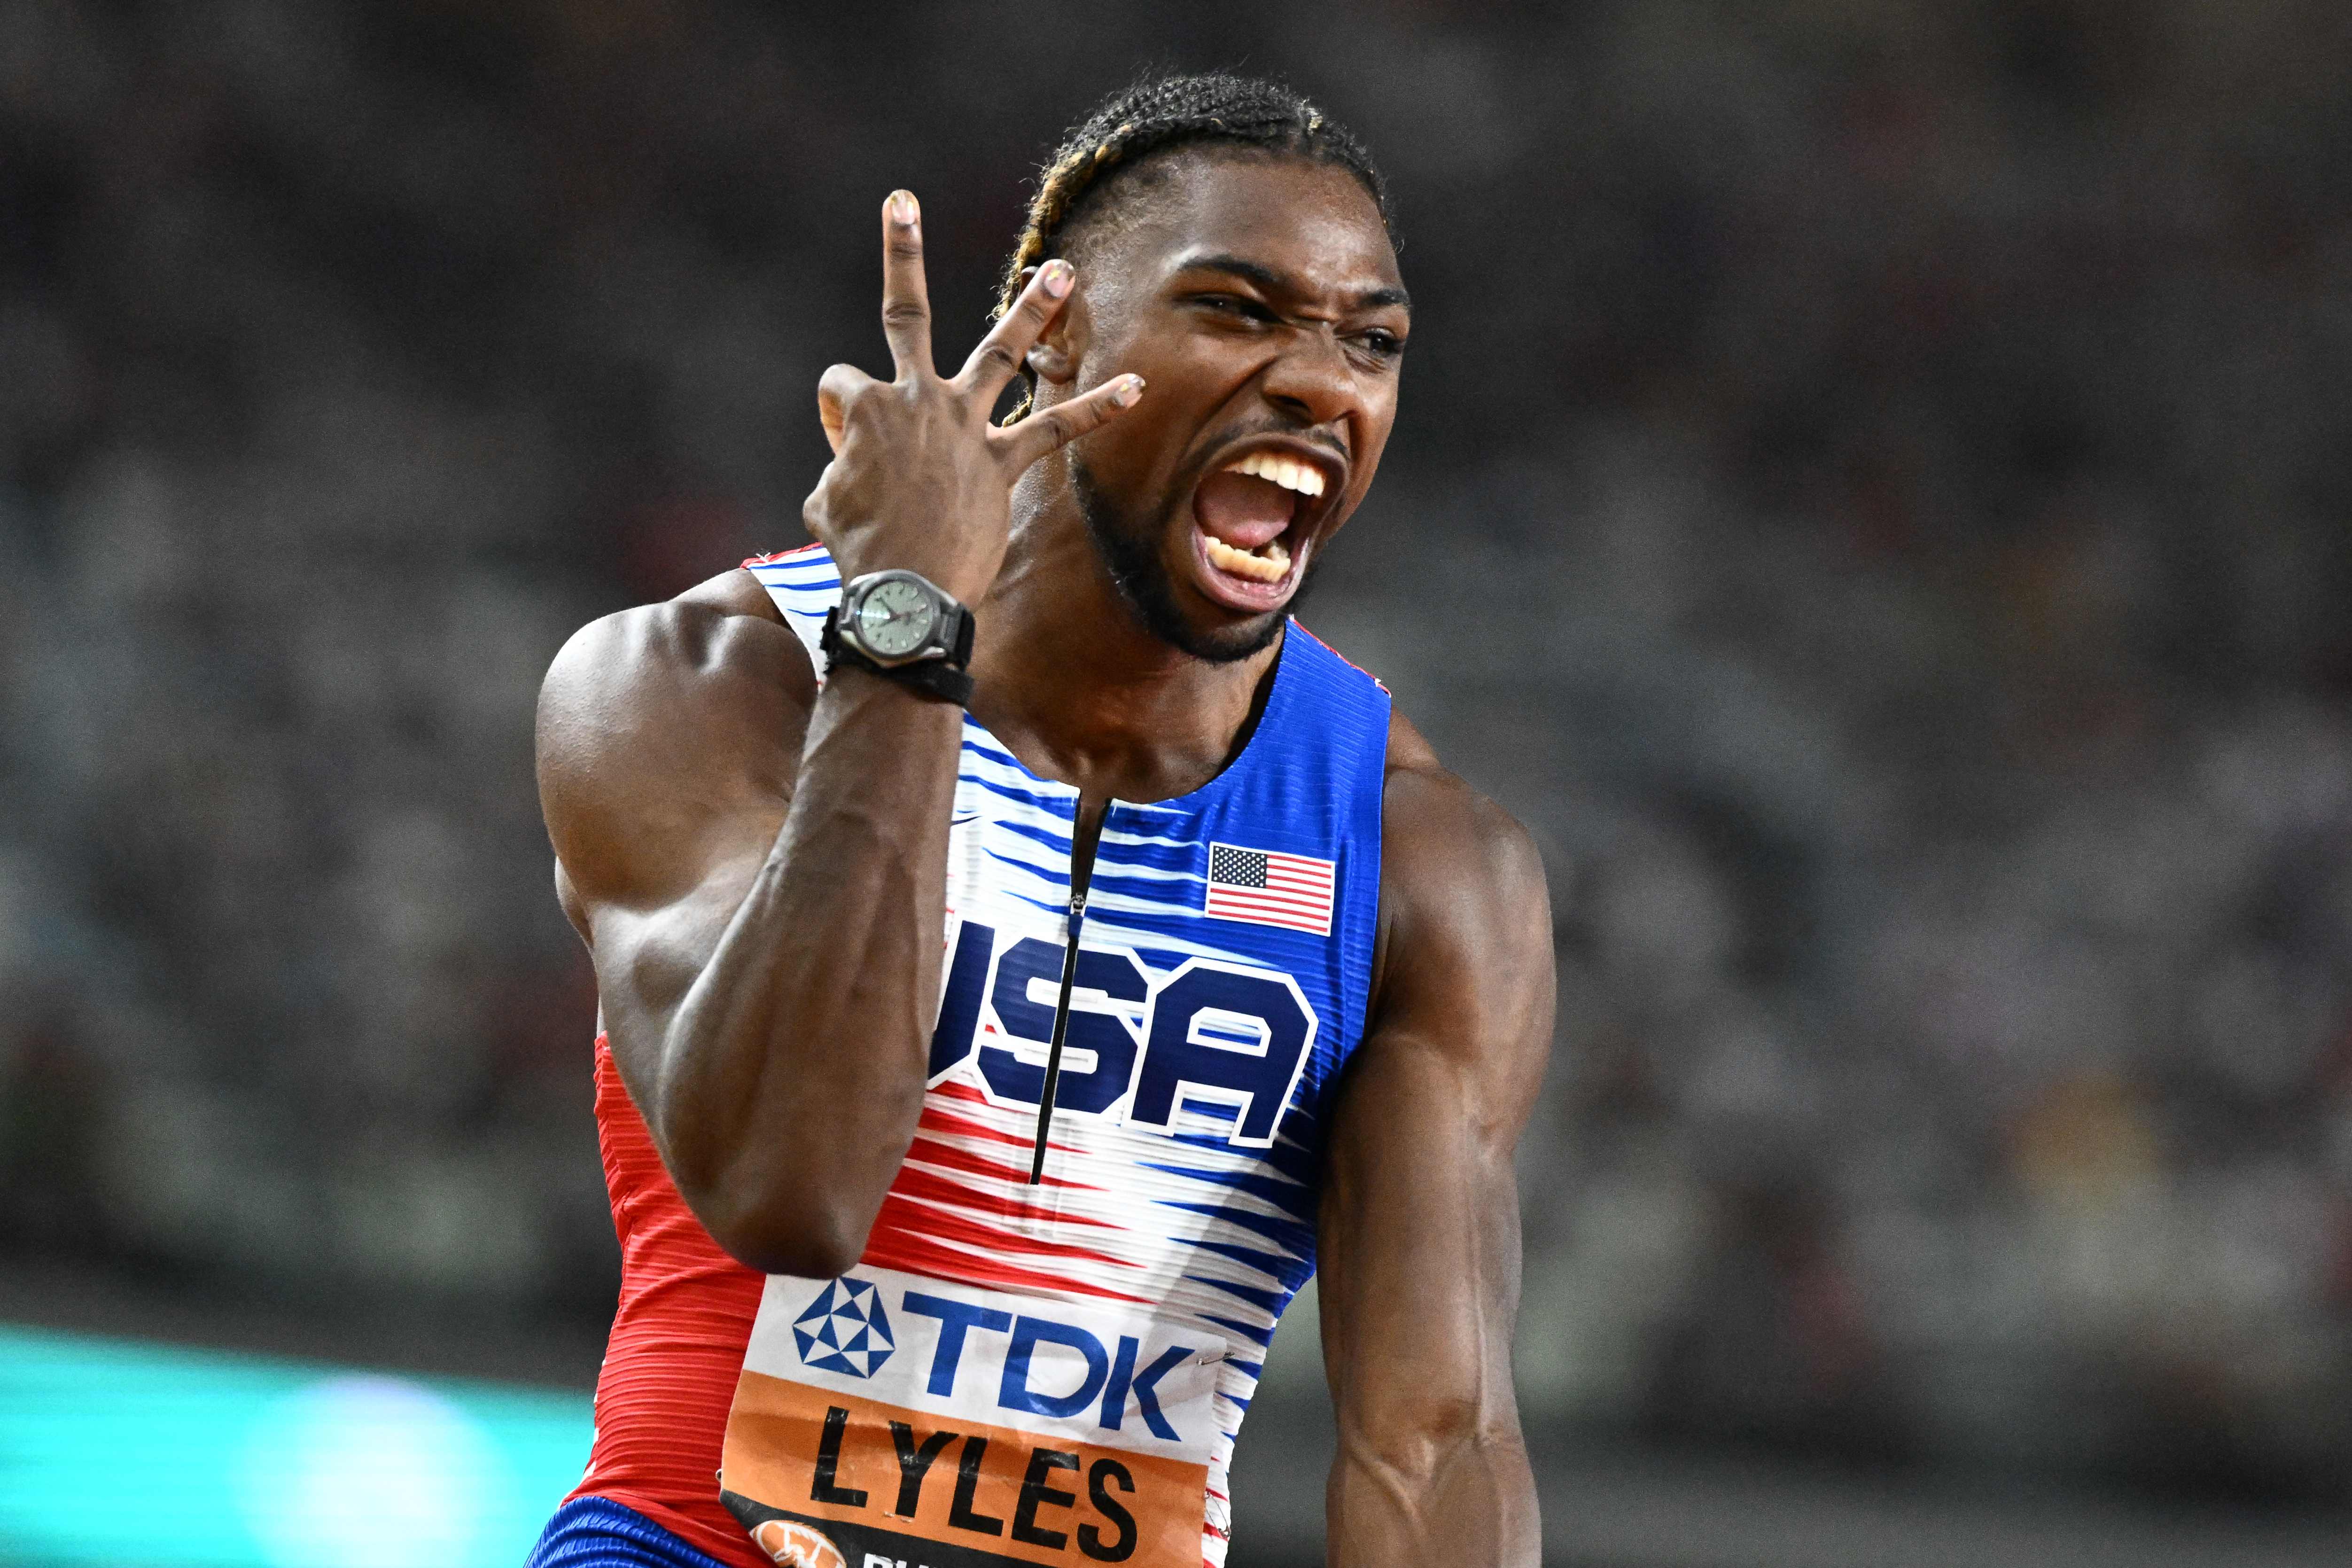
1032, 952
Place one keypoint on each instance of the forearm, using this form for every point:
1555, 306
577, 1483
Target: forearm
791, 1071
1467, 1500
1419, 1285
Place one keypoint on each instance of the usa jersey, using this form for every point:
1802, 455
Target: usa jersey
1053, 1371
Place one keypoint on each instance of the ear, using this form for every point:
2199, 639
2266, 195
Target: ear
1054, 355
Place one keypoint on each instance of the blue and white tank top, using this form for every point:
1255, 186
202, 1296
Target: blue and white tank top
1055, 1372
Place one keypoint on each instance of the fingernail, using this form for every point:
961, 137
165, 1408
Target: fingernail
1128, 391
903, 208
1055, 276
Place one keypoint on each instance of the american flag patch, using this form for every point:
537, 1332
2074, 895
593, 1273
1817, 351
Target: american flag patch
1269, 889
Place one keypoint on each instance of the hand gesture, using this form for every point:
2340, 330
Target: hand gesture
921, 478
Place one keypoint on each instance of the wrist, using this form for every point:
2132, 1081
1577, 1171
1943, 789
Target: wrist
853, 679
965, 581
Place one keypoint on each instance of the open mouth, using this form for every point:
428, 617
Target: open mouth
1249, 514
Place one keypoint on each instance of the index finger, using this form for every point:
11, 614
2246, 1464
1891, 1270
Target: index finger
905, 300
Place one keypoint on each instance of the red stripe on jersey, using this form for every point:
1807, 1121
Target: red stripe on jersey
937, 1121
920, 1202
914, 1253
940, 1121
927, 1186
931, 1151
953, 1090
785, 555
678, 1345
1335, 653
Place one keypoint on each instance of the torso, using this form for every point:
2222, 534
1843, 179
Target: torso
1174, 1219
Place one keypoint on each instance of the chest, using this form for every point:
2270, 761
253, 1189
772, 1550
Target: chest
1195, 991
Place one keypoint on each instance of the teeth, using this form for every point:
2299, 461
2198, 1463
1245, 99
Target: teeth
1267, 568
1304, 477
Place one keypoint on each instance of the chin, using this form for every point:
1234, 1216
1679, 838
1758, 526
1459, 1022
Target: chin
1221, 627
1231, 641
1173, 609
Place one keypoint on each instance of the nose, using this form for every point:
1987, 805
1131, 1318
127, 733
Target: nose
1312, 381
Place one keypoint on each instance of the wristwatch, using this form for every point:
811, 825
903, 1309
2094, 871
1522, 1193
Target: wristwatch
899, 626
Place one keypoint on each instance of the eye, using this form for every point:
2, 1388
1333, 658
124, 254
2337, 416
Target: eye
1382, 342
1233, 305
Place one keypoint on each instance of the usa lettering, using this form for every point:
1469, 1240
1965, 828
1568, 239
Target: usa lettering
1224, 1038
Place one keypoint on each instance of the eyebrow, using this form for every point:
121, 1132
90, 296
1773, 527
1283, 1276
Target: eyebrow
1274, 282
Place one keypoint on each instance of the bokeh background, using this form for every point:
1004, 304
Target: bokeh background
1910, 438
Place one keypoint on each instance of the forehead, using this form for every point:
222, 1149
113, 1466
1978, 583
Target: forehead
1312, 222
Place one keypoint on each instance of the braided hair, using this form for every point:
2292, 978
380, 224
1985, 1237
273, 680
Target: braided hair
1156, 115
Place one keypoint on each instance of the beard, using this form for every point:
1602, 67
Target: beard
1129, 553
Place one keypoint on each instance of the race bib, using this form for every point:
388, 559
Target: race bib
888, 1420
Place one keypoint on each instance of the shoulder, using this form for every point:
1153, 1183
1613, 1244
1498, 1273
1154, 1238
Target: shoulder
1450, 857
666, 710
1465, 920
725, 622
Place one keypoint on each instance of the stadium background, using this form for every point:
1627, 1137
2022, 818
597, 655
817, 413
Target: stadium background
1909, 439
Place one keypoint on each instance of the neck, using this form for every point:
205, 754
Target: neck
1067, 676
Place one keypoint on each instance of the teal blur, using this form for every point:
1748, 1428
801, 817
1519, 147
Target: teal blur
120, 1453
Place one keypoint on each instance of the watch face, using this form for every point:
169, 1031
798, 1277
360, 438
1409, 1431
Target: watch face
894, 618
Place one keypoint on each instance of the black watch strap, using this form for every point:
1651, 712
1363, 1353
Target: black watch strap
934, 678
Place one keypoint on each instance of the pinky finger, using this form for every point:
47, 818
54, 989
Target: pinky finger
1051, 429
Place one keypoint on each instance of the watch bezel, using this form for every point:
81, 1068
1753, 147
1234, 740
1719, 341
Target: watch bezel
852, 603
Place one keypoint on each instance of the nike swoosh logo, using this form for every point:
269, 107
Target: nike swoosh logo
959, 821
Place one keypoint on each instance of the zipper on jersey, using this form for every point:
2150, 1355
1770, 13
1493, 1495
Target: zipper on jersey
1082, 871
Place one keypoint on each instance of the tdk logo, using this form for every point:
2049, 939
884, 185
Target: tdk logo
845, 1328
1112, 1376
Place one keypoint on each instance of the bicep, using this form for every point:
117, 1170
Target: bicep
1419, 1257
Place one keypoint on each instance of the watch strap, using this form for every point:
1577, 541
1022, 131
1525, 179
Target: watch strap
943, 678
959, 638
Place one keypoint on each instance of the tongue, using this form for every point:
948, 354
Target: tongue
1243, 509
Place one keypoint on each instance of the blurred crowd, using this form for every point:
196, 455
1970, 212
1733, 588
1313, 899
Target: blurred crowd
1871, 494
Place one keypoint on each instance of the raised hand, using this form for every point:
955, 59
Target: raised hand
921, 478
